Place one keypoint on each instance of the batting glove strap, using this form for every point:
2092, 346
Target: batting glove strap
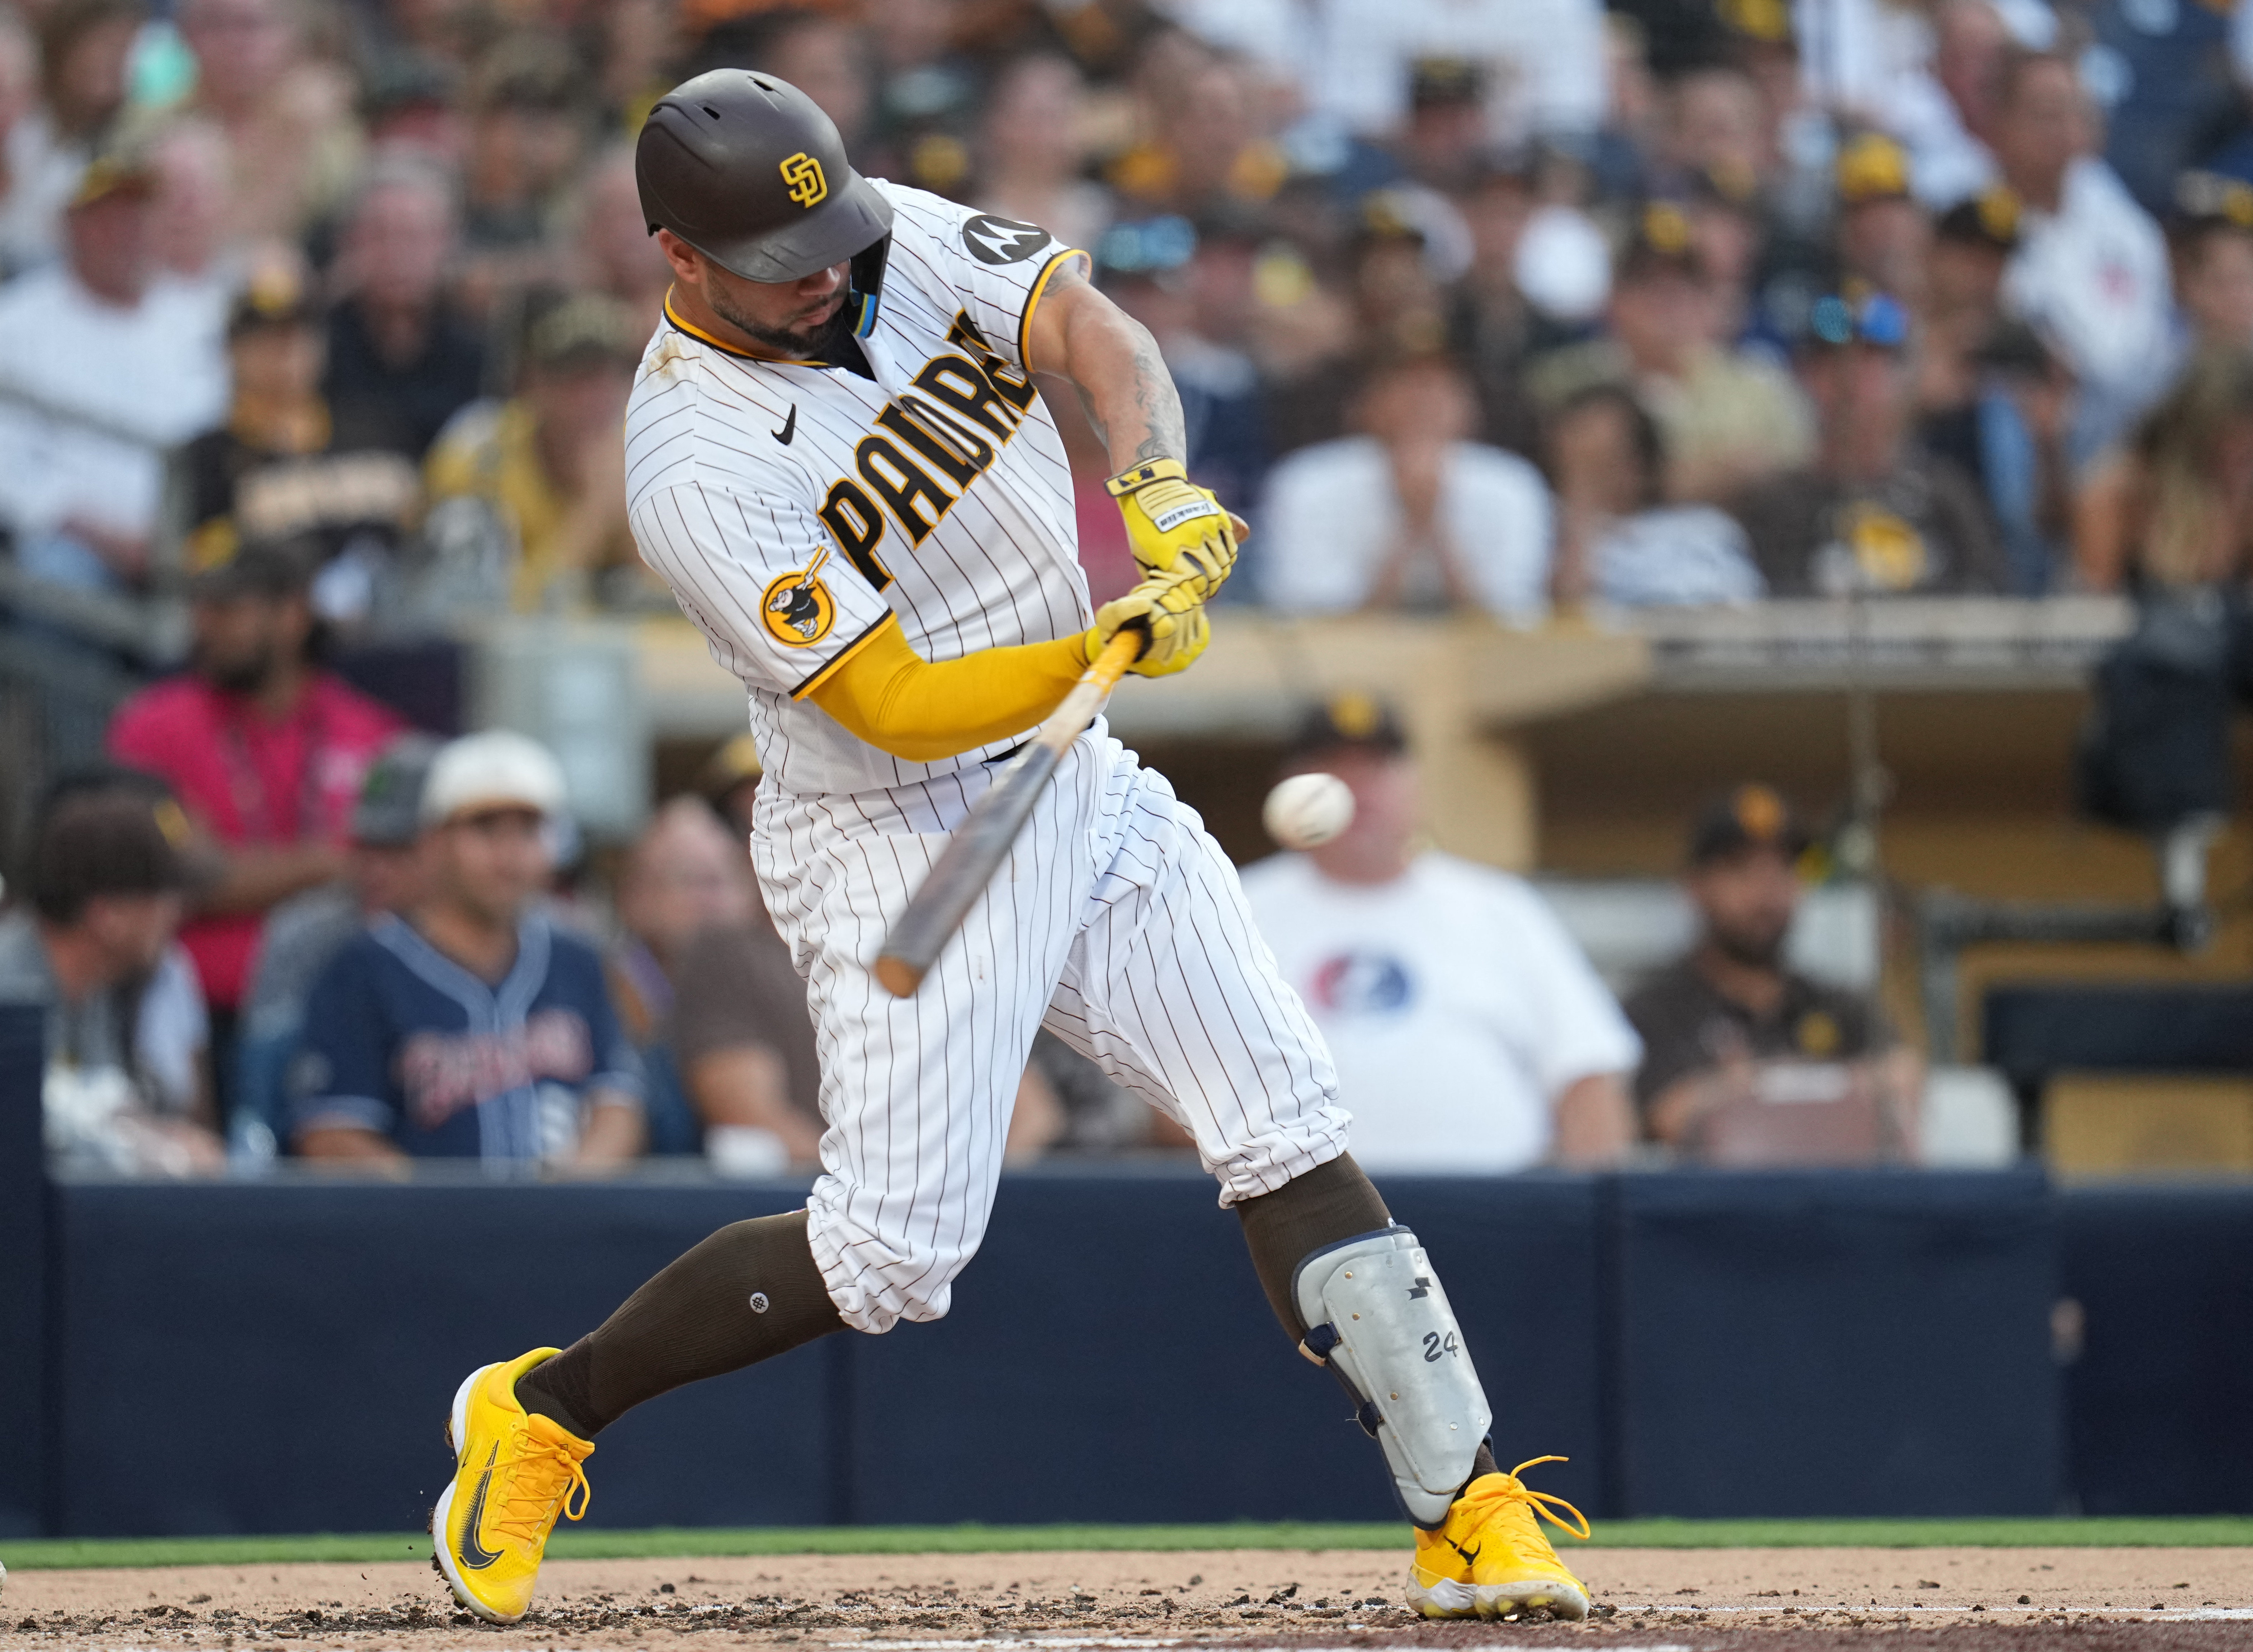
1169, 518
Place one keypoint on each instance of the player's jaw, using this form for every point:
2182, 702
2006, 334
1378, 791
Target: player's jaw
785, 317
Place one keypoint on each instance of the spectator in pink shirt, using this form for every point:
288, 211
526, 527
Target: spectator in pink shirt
265, 751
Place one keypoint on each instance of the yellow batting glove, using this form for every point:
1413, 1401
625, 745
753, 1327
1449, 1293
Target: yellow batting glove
1171, 608
1174, 525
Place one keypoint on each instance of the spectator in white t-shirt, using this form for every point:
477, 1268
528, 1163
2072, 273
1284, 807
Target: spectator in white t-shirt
2091, 267
102, 366
1411, 513
1470, 1035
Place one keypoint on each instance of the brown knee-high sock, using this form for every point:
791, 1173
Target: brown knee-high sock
749, 1292
1330, 1203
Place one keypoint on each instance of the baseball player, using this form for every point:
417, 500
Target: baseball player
836, 456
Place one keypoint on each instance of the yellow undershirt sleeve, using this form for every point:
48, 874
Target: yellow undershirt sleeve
887, 694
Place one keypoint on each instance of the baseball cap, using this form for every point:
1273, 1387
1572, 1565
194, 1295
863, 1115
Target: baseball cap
498, 769
119, 171
1872, 167
1353, 720
1751, 815
1658, 242
276, 296
1990, 219
388, 814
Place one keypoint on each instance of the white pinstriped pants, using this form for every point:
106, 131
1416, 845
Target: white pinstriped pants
1117, 921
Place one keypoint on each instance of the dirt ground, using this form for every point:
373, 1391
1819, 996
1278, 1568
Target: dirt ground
1647, 1600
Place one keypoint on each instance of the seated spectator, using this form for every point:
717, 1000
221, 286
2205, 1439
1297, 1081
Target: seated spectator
266, 751
1494, 324
273, 471
2091, 267
617, 256
1412, 514
84, 56
1884, 237
527, 125
292, 143
1543, 63
471, 1026
1971, 247
1617, 541
1729, 417
2009, 439
101, 367
105, 879
1745, 1061
701, 977
2212, 251
2174, 509
187, 216
1873, 512
1158, 280
1470, 1035
401, 362
548, 466
303, 933
1032, 151
35, 180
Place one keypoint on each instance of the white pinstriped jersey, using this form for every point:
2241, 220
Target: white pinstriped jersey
794, 507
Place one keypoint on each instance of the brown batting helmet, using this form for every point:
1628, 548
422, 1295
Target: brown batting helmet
747, 170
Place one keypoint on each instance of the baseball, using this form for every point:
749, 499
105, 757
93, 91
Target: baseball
1307, 810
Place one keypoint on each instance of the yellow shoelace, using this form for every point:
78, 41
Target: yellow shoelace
544, 1476
1538, 1502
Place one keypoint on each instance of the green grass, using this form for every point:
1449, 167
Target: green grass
688, 1543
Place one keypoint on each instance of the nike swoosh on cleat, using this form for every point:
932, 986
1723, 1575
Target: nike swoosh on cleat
789, 427
474, 1556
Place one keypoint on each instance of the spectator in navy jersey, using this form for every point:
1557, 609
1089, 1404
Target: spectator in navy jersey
472, 1026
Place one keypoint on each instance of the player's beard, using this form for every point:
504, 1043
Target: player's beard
806, 341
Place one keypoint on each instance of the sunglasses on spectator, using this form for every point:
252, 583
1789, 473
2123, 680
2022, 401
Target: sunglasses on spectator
1873, 320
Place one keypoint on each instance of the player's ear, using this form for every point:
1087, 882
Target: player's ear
687, 263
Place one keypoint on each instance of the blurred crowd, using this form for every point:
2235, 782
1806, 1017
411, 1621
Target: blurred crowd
437, 978
321, 315
1494, 303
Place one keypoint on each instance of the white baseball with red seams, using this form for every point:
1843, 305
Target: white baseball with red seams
795, 506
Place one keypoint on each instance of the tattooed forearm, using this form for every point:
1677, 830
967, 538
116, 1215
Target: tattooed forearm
1166, 436
1115, 366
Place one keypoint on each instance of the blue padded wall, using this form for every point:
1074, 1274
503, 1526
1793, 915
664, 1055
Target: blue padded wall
1831, 1344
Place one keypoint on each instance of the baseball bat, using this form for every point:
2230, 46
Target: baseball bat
982, 841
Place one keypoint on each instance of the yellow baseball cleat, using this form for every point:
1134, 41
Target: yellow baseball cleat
513, 1473
1490, 1560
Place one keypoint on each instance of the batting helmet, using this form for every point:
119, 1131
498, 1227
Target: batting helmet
747, 170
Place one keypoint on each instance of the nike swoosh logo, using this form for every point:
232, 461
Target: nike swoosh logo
789, 427
476, 1557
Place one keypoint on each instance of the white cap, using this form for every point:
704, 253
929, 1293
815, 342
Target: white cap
496, 770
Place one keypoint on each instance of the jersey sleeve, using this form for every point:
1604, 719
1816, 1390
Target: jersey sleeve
760, 577
996, 268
